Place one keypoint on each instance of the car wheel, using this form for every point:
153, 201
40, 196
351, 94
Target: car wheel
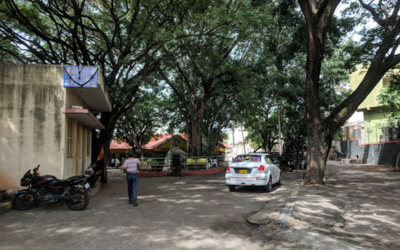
231, 188
280, 181
268, 187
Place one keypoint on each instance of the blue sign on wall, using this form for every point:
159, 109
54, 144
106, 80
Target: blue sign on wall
77, 76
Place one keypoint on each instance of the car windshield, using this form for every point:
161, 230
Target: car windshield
252, 158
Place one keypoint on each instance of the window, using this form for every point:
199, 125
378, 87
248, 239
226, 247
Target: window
249, 158
88, 142
69, 139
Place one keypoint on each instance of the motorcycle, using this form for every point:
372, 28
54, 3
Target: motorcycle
47, 191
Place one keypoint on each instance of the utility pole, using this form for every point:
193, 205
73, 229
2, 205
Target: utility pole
244, 142
233, 137
279, 125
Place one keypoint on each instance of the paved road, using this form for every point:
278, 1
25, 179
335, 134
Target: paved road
357, 209
195, 212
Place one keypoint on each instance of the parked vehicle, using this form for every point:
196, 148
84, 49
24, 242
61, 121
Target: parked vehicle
47, 190
277, 163
254, 169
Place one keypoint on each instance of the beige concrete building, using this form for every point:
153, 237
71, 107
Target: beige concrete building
43, 122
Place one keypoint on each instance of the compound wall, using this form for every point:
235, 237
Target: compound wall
387, 153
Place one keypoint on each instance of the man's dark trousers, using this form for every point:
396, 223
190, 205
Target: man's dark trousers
133, 180
92, 179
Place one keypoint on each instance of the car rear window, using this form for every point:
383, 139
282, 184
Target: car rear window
248, 158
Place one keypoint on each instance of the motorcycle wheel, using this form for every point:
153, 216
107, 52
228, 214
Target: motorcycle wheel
22, 201
82, 202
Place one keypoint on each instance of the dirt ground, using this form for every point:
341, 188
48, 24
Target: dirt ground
193, 212
357, 209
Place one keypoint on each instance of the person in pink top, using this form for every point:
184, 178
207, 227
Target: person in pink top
131, 167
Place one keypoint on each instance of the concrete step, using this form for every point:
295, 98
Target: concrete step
95, 190
5, 206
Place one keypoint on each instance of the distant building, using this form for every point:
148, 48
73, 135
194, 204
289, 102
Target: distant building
159, 143
237, 140
369, 136
370, 122
43, 122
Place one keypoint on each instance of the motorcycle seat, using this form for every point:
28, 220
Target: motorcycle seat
74, 178
69, 180
59, 183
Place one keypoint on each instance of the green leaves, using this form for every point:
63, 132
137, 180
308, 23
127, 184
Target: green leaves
207, 63
390, 96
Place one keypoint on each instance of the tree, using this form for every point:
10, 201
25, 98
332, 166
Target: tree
275, 78
204, 69
123, 37
263, 133
390, 96
380, 48
217, 115
140, 123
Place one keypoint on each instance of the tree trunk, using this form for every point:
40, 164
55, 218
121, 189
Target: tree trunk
318, 149
141, 153
317, 21
138, 142
194, 139
318, 17
108, 120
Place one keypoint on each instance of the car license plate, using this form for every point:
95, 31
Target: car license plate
87, 185
242, 171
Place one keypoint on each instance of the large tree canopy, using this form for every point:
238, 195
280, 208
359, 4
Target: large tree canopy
125, 38
205, 74
208, 52
278, 79
140, 123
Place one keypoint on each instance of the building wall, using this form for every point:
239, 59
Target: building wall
355, 80
31, 105
371, 101
380, 153
78, 161
374, 146
72, 99
372, 126
236, 138
375, 114
33, 123
356, 118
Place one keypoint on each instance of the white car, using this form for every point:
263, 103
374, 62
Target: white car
254, 169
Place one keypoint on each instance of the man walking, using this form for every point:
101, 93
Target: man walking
131, 167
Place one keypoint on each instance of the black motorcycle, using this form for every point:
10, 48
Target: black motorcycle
47, 191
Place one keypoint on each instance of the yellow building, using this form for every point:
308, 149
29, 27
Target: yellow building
377, 128
43, 121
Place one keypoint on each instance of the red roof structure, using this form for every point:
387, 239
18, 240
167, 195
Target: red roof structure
157, 143
157, 140
226, 145
119, 147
